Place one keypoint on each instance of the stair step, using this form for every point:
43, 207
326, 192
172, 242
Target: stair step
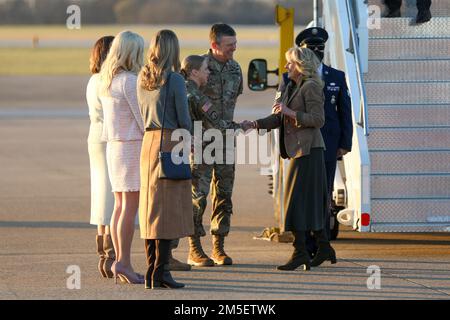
409, 115
408, 93
409, 139
410, 227
410, 211
409, 48
408, 70
410, 186
409, 9
406, 28
410, 162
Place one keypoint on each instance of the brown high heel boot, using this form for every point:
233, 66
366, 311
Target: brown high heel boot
110, 255
101, 253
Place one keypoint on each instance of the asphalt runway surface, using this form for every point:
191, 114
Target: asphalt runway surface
44, 221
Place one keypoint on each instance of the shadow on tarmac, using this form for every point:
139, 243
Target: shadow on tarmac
46, 224
280, 289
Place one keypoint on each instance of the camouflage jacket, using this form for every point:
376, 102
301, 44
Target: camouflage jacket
224, 85
198, 102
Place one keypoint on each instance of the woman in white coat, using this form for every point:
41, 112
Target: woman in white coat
102, 200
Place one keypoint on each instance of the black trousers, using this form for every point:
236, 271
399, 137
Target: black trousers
394, 5
157, 253
331, 172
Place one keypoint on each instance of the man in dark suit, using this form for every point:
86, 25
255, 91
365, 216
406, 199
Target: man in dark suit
338, 129
423, 9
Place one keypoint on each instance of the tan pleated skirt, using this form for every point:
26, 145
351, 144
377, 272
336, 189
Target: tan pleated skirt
165, 206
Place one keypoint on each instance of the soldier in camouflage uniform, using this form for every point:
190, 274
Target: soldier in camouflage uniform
201, 109
223, 87
196, 72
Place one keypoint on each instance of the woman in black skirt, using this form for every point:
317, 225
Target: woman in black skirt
300, 115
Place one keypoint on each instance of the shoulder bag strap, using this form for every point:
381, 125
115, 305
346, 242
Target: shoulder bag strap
167, 85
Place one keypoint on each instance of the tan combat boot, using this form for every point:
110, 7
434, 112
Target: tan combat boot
197, 257
219, 256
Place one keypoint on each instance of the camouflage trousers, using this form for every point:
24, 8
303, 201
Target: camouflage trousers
220, 178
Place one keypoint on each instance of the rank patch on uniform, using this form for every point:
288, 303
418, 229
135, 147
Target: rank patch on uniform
214, 115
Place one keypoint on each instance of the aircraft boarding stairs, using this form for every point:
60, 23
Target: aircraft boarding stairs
408, 97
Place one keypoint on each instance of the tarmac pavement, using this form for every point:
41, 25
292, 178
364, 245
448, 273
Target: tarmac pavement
44, 222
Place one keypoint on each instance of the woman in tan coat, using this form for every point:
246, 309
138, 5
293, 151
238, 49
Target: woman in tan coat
300, 117
165, 211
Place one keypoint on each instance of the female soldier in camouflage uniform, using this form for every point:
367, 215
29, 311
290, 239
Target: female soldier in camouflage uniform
196, 72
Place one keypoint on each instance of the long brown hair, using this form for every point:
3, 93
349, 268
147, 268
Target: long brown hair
99, 53
163, 57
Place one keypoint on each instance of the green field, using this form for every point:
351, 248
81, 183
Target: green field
75, 61
71, 61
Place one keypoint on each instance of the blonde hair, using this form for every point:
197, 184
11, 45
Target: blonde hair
126, 54
163, 57
305, 60
193, 62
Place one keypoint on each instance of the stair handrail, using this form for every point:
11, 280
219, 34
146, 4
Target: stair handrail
355, 50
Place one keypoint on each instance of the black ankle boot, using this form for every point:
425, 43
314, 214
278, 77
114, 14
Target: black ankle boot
393, 14
300, 256
423, 16
325, 251
167, 283
297, 260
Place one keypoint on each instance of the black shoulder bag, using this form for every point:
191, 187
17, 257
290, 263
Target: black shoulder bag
167, 168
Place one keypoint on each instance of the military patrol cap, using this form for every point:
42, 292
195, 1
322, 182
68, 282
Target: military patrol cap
313, 35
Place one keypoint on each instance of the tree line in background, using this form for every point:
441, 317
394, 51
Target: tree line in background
151, 11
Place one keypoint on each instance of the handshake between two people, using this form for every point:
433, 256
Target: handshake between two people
277, 108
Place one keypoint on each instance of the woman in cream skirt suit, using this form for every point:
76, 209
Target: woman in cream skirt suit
123, 130
102, 200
